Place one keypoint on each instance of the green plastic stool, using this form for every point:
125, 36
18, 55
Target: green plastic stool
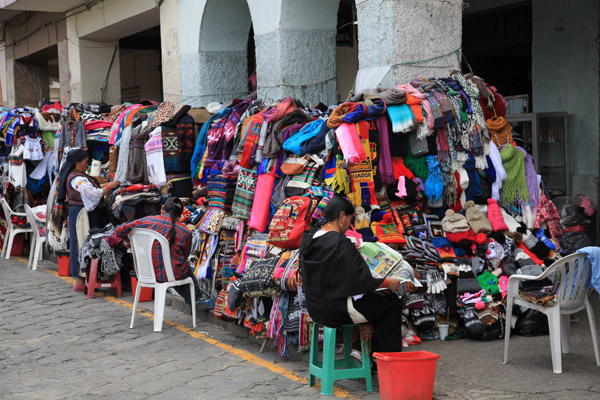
329, 369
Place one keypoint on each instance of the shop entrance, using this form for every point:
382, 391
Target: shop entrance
141, 69
497, 46
37, 78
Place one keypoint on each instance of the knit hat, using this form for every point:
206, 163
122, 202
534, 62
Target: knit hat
361, 219
489, 282
509, 220
529, 240
495, 253
477, 221
500, 131
454, 222
495, 216
458, 237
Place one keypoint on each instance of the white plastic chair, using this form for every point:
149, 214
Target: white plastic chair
572, 273
37, 240
141, 240
11, 229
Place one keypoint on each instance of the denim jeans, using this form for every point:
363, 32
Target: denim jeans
184, 290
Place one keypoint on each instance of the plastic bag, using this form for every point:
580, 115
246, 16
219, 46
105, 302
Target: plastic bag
532, 323
573, 241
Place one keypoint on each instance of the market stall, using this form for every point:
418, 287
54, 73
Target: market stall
430, 166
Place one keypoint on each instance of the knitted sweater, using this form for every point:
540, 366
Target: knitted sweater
154, 159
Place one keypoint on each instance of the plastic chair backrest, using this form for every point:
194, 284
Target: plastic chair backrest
33, 221
573, 272
7, 212
142, 240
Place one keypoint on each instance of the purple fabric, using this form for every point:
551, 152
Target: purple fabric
358, 114
386, 169
532, 181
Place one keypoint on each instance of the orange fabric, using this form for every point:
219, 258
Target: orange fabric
530, 254
335, 119
415, 105
400, 168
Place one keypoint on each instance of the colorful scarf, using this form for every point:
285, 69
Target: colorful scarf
361, 174
532, 181
402, 117
515, 185
434, 185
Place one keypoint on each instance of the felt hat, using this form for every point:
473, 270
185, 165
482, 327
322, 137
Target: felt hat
454, 222
477, 221
494, 215
214, 107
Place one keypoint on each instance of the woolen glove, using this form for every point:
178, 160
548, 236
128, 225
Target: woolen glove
435, 282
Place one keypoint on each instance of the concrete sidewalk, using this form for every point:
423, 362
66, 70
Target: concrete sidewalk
58, 344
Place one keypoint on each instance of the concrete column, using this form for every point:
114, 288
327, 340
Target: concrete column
214, 41
3, 76
64, 75
399, 33
295, 49
94, 68
169, 43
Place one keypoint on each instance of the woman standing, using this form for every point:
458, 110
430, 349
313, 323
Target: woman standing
338, 284
81, 191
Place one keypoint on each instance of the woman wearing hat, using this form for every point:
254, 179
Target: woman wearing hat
81, 191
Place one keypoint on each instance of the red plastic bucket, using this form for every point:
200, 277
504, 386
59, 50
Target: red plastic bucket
145, 294
63, 265
407, 375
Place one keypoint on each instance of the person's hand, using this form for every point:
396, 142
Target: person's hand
393, 284
114, 184
410, 287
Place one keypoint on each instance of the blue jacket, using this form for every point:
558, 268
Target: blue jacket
593, 253
308, 131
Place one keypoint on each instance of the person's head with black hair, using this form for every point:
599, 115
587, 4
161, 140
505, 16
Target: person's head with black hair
337, 216
172, 207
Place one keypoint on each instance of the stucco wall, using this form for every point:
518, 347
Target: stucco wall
566, 78
396, 32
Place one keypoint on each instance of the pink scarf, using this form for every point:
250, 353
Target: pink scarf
349, 140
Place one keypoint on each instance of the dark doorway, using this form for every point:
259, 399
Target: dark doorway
497, 46
141, 69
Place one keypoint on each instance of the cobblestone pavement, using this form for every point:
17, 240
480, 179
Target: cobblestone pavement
57, 344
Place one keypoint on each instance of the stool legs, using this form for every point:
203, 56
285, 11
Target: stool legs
314, 354
328, 362
366, 361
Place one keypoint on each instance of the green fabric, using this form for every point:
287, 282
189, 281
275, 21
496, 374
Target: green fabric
489, 282
418, 165
48, 137
515, 185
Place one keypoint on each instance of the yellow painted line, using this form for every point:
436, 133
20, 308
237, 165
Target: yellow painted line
243, 354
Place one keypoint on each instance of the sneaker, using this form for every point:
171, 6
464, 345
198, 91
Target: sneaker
357, 355
79, 287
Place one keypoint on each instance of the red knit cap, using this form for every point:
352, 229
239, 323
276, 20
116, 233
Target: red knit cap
495, 216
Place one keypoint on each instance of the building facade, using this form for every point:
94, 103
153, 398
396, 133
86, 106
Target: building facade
200, 51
